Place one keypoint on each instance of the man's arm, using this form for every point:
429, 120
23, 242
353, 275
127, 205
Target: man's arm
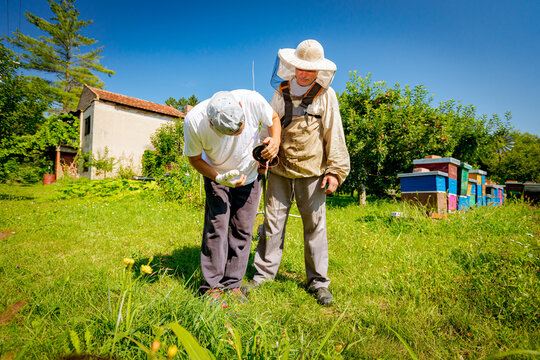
205, 169
272, 142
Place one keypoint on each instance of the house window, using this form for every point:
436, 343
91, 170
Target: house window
87, 125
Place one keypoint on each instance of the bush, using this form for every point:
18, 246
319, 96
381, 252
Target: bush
15, 172
150, 163
183, 183
125, 172
168, 141
25, 158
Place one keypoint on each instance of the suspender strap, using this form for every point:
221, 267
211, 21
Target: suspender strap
307, 99
311, 94
285, 89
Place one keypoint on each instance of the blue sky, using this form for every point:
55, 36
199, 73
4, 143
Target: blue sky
484, 53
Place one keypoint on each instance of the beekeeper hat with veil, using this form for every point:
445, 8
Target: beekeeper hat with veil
308, 55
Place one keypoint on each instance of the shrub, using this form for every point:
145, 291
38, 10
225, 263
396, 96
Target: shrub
182, 183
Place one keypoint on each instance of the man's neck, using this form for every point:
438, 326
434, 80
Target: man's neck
298, 90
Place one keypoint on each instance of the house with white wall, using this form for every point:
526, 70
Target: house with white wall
120, 125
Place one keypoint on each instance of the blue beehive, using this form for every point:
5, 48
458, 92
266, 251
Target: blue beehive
451, 186
430, 181
479, 195
463, 202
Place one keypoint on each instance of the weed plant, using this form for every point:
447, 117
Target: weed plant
465, 287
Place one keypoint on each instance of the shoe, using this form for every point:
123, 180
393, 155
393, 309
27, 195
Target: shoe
324, 296
247, 288
214, 296
239, 295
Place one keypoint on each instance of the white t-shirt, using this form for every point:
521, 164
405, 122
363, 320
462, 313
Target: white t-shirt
226, 152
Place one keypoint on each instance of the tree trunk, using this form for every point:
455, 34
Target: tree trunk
362, 195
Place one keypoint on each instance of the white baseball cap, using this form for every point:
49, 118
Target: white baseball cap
225, 113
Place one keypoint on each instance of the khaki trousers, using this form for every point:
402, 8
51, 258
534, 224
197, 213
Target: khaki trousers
310, 199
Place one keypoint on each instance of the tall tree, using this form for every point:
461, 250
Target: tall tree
22, 102
182, 103
58, 53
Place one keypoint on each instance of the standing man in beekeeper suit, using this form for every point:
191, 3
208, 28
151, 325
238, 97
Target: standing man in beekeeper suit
220, 134
313, 161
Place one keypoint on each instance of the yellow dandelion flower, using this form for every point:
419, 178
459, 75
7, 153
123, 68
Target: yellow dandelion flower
146, 269
129, 261
172, 351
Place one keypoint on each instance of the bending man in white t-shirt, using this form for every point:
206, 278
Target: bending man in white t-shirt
220, 134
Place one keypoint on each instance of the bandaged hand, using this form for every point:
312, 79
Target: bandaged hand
227, 178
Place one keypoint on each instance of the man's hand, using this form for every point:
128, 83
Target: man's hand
271, 149
227, 179
332, 181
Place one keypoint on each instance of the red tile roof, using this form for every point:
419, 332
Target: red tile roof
135, 103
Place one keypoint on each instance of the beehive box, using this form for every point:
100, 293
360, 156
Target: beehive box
463, 202
531, 191
479, 195
463, 178
514, 188
471, 188
494, 194
447, 165
451, 186
478, 175
432, 201
431, 181
452, 202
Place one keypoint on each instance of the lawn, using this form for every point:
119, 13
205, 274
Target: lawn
465, 287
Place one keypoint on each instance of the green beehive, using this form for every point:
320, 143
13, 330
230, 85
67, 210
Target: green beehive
463, 178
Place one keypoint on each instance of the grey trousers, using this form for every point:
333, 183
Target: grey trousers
229, 218
311, 200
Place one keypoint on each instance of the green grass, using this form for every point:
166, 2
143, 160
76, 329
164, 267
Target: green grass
463, 287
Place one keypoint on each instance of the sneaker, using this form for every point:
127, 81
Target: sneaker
324, 296
247, 288
239, 295
214, 296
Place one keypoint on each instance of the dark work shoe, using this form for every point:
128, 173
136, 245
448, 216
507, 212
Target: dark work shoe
214, 295
324, 296
239, 295
251, 285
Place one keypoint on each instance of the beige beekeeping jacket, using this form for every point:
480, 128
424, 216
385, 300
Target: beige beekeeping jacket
315, 146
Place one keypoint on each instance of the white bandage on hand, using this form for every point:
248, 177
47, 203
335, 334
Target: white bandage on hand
226, 178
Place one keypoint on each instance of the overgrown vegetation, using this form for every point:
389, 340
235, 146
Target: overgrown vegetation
25, 158
177, 179
464, 287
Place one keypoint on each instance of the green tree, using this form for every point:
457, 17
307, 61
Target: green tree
168, 142
22, 102
386, 128
182, 103
58, 53
25, 158
521, 163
